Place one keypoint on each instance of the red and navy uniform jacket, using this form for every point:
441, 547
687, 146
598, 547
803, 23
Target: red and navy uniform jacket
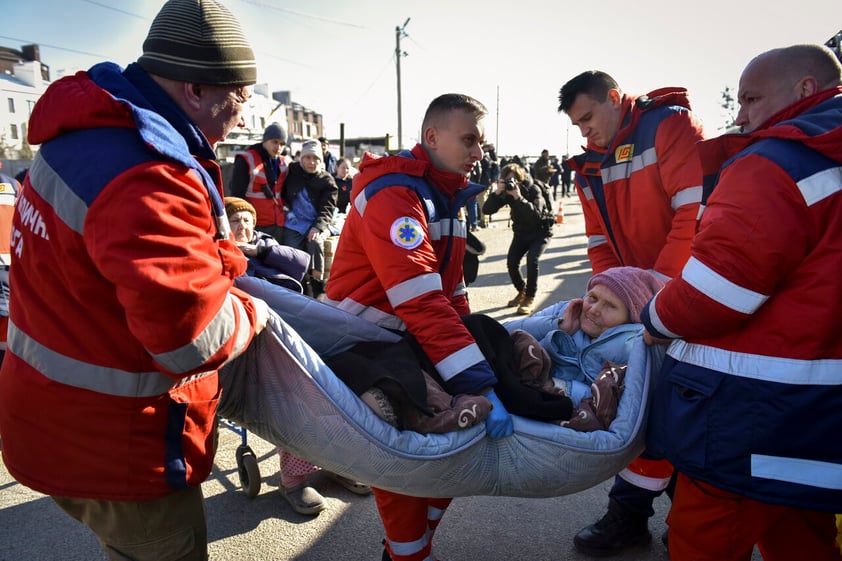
750, 393
251, 183
640, 196
122, 306
399, 261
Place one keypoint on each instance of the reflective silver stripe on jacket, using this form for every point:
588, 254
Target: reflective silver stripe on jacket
688, 196
718, 288
596, 240
413, 288
821, 185
360, 202
460, 289
819, 372
814, 473
624, 170
656, 319
370, 313
453, 227
458, 361
78, 374
216, 335
68, 207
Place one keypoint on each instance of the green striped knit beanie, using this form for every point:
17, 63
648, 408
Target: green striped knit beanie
198, 41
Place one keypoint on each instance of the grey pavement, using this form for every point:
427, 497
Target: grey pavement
266, 528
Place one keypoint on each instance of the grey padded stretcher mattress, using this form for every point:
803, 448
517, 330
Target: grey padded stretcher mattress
280, 390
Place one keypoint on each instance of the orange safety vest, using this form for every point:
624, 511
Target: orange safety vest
9, 188
269, 211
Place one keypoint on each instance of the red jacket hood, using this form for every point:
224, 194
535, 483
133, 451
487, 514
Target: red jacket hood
373, 167
634, 106
93, 107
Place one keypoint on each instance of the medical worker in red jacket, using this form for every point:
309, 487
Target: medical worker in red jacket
122, 305
749, 393
640, 183
399, 264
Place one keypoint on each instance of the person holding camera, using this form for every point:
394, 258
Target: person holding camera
531, 229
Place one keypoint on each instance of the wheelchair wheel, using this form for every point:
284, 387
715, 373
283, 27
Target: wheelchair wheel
248, 471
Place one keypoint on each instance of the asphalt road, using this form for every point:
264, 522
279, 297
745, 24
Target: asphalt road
265, 528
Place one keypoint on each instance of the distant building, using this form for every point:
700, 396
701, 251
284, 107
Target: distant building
23, 78
354, 148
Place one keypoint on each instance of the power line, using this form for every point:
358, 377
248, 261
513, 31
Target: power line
28, 42
302, 14
356, 102
138, 16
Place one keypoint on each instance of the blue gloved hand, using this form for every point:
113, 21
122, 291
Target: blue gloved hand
499, 423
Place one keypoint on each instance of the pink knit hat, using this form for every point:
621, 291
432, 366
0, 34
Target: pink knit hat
633, 286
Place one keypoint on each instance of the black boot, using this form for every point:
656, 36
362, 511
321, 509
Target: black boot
614, 532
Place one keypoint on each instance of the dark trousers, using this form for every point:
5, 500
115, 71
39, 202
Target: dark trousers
532, 246
637, 499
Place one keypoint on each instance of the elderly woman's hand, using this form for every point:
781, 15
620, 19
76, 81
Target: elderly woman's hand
650, 340
570, 321
248, 249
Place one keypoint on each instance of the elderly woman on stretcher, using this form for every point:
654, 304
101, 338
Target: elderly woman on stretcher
565, 364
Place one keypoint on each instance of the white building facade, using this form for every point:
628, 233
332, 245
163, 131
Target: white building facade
18, 93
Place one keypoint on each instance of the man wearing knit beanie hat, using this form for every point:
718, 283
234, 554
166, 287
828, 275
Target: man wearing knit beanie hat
200, 42
258, 175
152, 274
275, 132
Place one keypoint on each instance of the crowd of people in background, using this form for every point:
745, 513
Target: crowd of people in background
267, 177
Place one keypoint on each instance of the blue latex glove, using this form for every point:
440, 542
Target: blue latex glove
499, 423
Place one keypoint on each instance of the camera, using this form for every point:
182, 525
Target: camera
511, 184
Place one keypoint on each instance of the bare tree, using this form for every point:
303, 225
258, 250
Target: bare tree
729, 104
25, 152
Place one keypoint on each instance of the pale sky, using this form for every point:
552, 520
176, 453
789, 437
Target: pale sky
337, 57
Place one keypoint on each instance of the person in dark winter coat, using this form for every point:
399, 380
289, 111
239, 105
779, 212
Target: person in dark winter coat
309, 195
343, 178
531, 236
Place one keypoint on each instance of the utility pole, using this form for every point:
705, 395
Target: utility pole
497, 125
400, 32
